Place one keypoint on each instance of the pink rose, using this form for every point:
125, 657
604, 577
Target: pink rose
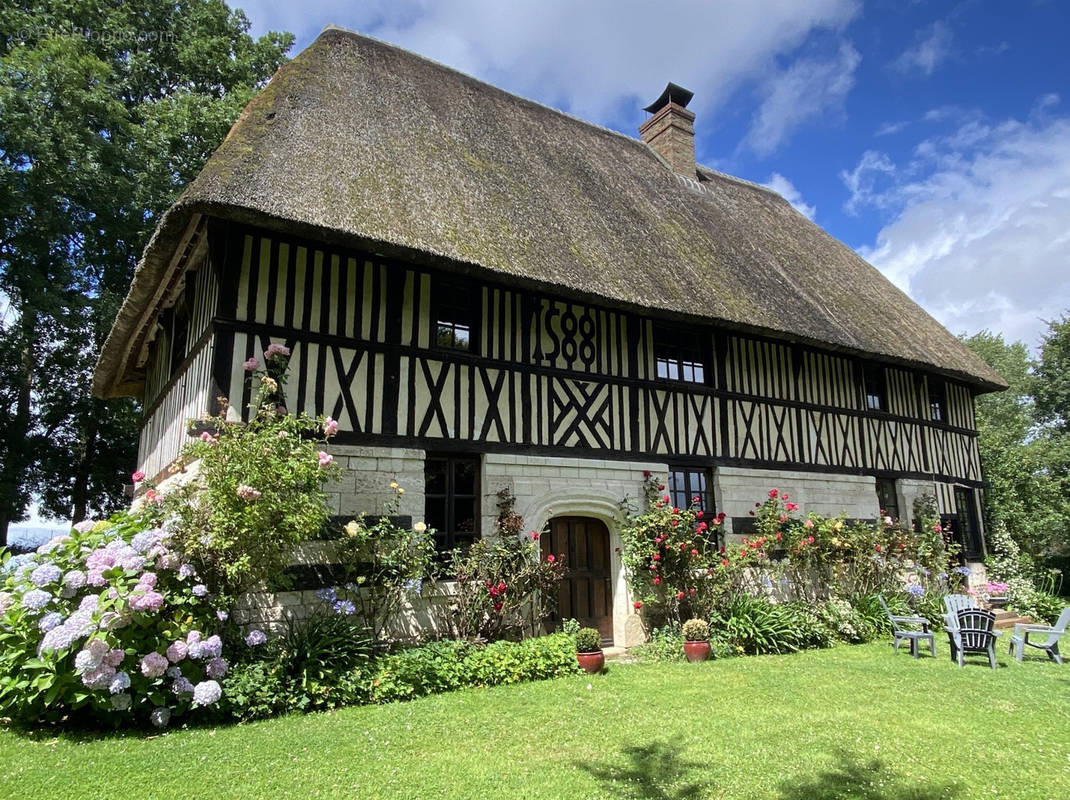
138, 477
251, 364
325, 458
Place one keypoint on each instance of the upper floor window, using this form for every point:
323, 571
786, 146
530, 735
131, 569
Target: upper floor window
454, 318
451, 500
887, 498
874, 387
937, 401
678, 356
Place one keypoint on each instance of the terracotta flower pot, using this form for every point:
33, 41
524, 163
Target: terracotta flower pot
592, 662
697, 651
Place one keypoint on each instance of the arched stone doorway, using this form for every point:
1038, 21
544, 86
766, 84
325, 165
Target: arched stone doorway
585, 592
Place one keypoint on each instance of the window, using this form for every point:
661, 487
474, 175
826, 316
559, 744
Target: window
453, 317
685, 484
678, 356
969, 528
873, 387
936, 400
451, 494
887, 498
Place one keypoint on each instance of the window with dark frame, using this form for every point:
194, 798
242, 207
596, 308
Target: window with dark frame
678, 356
451, 500
937, 400
687, 483
873, 385
969, 524
887, 498
454, 319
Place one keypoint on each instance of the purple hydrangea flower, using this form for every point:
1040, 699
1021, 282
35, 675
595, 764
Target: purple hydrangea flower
36, 599
160, 716
177, 651
222, 615
964, 571
100, 677
153, 665
6, 601
85, 526
147, 601
46, 574
49, 621
186, 571
216, 668
120, 682
53, 544
207, 693
115, 657
255, 638
200, 590
182, 686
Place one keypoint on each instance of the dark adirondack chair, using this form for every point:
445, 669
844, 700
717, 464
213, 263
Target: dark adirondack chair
974, 632
904, 629
1050, 645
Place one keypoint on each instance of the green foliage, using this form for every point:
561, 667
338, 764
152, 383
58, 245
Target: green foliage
588, 640
79, 617
755, 626
671, 559
1030, 590
98, 135
385, 563
1024, 443
504, 587
665, 644
257, 491
696, 630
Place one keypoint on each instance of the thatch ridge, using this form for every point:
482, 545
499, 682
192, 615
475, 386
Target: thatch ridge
377, 145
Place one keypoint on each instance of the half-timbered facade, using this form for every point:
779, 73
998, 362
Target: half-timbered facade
459, 362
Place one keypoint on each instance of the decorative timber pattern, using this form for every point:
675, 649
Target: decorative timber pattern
545, 374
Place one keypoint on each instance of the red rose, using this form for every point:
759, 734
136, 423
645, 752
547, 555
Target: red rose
694, 552
675, 510
638, 604
683, 545
661, 487
666, 499
751, 513
138, 477
701, 527
757, 505
497, 606
698, 514
784, 497
646, 473
534, 536
674, 522
783, 519
679, 595
772, 494
810, 539
657, 581
691, 592
743, 552
779, 536
724, 562
657, 556
696, 499
501, 586
878, 548
550, 558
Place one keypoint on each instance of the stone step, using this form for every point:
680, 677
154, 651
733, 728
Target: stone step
1011, 621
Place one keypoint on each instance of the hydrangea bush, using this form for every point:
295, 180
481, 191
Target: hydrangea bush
108, 622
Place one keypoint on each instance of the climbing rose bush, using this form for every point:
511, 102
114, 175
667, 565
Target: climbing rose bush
107, 622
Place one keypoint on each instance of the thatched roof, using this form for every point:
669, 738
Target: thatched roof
360, 142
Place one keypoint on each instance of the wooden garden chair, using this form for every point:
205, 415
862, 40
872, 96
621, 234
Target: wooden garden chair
1050, 646
974, 632
901, 632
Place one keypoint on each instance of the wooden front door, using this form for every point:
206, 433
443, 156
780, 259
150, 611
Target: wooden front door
585, 592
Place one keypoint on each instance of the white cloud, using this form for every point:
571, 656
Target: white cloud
981, 238
786, 189
891, 128
862, 180
602, 60
932, 45
811, 88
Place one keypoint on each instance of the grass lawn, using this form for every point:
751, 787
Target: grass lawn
847, 722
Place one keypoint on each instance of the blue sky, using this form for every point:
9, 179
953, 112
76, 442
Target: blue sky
934, 138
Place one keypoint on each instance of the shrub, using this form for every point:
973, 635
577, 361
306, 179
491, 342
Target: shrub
257, 490
504, 587
671, 557
443, 666
665, 644
845, 621
755, 626
588, 640
384, 564
108, 621
696, 630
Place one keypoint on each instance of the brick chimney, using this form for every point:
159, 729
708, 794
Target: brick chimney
671, 129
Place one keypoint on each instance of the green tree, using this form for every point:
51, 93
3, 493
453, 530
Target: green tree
1020, 450
106, 111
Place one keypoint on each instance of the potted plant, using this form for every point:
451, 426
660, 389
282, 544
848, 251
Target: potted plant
589, 650
696, 639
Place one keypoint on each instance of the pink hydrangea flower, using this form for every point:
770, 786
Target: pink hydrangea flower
154, 665
177, 651
148, 601
251, 364
276, 351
